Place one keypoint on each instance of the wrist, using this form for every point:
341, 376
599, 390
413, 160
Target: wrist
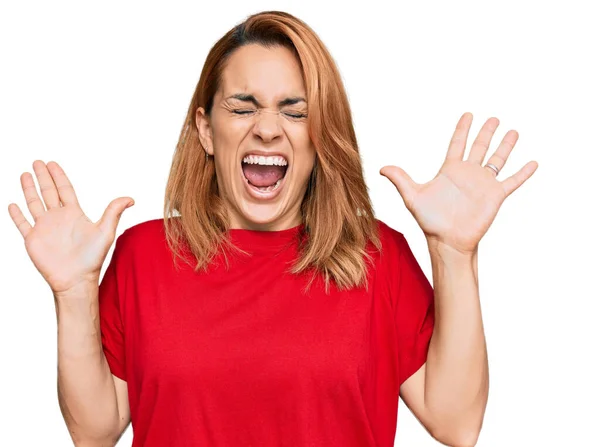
436, 247
82, 291
451, 260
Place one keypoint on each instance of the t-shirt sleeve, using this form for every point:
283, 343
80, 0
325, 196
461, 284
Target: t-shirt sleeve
110, 312
412, 302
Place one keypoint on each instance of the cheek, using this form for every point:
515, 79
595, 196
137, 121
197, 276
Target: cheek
228, 135
304, 158
227, 140
300, 140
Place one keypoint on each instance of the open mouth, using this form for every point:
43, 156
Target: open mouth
264, 174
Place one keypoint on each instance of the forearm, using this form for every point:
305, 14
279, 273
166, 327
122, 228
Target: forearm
456, 383
86, 392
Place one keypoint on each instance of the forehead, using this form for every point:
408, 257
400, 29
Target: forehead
268, 73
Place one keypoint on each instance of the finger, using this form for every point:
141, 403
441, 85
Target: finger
19, 219
482, 141
64, 187
34, 204
456, 149
47, 186
516, 180
404, 184
112, 215
499, 157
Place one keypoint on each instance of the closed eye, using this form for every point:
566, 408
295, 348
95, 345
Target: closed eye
292, 115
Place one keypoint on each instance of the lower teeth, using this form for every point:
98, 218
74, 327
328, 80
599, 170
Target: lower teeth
267, 188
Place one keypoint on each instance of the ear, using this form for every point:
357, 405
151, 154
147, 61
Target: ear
204, 130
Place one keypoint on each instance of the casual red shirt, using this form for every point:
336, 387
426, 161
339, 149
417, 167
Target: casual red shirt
241, 357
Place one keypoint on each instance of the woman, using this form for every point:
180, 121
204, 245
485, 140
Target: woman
297, 318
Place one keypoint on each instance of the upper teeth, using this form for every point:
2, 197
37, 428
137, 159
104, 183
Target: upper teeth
261, 160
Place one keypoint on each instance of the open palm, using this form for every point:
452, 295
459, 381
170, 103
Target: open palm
458, 206
65, 246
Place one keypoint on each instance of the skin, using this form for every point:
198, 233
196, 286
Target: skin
455, 209
237, 127
272, 75
448, 394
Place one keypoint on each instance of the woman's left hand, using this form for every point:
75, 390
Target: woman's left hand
458, 206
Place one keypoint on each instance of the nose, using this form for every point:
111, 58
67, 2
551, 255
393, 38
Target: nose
267, 125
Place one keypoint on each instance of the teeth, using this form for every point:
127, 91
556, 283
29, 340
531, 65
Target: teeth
267, 188
277, 160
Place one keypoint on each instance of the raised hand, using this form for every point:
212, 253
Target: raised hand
458, 206
66, 247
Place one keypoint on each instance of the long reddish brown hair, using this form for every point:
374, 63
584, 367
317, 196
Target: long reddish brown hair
336, 210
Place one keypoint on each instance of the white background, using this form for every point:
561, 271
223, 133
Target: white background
103, 89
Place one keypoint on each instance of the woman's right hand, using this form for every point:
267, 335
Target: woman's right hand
66, 247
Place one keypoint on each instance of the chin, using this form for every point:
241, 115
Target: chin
261, 214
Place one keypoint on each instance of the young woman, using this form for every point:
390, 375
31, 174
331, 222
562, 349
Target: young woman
269, 307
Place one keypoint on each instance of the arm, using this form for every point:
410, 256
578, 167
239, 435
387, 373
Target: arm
449, 393
92, 401
455, 210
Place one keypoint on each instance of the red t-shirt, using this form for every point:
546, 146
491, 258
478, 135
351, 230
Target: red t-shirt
241, 357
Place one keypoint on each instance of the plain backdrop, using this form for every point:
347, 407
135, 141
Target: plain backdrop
103, 89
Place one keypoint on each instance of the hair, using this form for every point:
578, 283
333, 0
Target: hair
337, 213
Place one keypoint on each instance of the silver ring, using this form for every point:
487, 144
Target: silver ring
489, 165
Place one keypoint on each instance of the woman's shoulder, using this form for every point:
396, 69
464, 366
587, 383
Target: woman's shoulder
143, 236
395, 249
149, 228
389, 235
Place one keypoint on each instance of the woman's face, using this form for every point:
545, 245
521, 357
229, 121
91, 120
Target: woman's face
258, 135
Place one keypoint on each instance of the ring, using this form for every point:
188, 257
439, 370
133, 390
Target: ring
489, 165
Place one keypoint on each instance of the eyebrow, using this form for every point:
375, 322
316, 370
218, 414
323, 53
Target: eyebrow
253, 100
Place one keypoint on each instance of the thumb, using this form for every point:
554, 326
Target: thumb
402, 181
112, 214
